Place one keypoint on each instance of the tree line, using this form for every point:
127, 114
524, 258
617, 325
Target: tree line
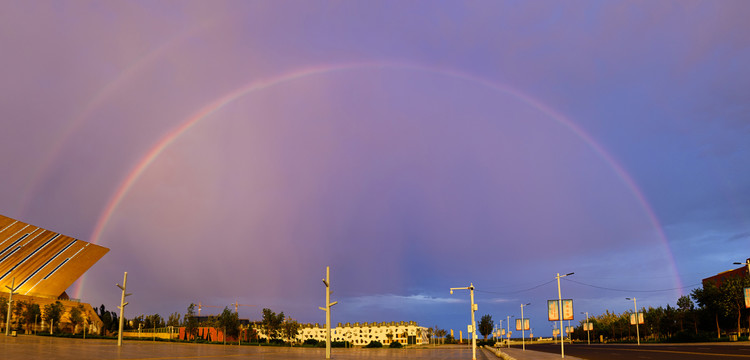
24, 314
711, 311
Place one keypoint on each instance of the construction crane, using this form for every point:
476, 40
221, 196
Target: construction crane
200, 306
237, 306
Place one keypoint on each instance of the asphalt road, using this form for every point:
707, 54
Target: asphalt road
702, 351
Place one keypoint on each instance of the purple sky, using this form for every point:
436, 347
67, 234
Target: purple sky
231, 150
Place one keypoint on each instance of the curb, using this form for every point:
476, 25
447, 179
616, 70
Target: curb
499, 353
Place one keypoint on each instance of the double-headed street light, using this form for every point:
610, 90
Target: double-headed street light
473, 328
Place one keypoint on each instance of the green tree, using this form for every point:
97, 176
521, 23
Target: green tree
52, 313
290, 329
75, 315
18, 309
708, 298
153, 321
229, 322
732, 299
449, 338
486, 325
685, 306
31, 314
441, 335
174, 319
190, 322
3, 308
272, 323
110, 323
138, 322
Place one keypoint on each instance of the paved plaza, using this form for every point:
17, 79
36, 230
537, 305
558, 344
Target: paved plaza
41, 347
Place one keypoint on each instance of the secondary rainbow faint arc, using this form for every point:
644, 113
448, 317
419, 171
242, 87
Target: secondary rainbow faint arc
212, 107
103, 94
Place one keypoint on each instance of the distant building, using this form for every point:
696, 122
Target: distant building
404, 332
719, 278
43, 264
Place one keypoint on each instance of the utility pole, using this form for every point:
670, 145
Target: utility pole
473, 322
12, 289
122, 307
327, 309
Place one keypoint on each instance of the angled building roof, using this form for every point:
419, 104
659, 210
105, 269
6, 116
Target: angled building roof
43, 262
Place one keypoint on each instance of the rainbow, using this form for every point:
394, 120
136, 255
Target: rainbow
143, 164
140, 64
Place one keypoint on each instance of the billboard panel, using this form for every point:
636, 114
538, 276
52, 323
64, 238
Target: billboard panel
526, 324
640, 319
567, 309
553, 310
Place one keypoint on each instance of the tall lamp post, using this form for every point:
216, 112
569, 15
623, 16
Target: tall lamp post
327, 309
498, 331
586, 325
560, 314
12, 289
508, 324
523, 328
122, 307
637, 320
747, 262
473, 322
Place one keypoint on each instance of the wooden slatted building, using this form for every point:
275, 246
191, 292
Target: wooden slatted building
43, 262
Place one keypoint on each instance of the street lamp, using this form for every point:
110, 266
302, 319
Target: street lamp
637, 320
747, 262
498, 331
523, 328
560, 313
508, 322
327, 309
12, 289
473, 322
586, 325
122, 307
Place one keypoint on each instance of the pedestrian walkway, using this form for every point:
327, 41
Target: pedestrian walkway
520, 354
